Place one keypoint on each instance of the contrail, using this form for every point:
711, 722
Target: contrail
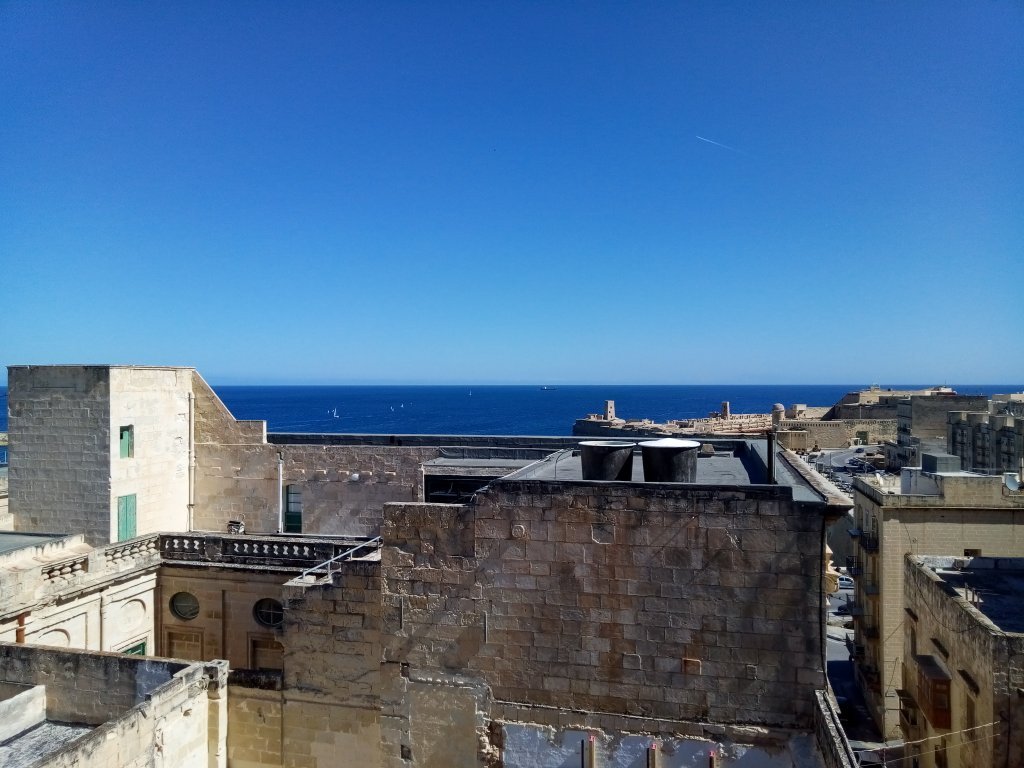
719, 144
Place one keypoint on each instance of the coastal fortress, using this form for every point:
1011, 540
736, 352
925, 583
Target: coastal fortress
865, 416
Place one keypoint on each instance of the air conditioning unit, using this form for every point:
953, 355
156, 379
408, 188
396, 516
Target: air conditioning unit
960, 563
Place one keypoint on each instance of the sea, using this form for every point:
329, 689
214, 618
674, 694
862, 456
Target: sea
507, 410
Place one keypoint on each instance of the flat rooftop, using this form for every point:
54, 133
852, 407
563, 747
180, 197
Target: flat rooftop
733, 462
11, 541
39, 742
994, 586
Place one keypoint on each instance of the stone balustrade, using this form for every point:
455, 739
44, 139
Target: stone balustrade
240, 549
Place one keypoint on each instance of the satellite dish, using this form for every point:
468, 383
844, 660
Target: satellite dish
1010, 481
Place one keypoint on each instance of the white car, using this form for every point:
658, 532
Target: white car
845, 582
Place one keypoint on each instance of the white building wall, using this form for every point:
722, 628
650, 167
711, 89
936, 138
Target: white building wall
155, 403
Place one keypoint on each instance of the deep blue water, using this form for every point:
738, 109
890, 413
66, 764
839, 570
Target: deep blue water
495, 410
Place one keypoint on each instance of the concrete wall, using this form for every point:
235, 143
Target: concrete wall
60, 447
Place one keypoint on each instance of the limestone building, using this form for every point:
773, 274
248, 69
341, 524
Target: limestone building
963, 671
992, 440
365, 620
921, 425
936, 508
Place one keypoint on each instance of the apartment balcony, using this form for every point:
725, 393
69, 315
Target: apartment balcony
856, 650
910, 716
869, 542
853, 566
870, 630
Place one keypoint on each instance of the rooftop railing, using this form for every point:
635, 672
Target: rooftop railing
246, 550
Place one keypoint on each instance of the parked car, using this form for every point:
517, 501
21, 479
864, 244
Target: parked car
846, 582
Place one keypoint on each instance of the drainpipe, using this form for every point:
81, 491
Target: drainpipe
191, 461
771, 457
280, 491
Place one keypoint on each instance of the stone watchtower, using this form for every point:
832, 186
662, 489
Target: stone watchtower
609, 410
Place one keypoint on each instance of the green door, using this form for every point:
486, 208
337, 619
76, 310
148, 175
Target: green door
126, 517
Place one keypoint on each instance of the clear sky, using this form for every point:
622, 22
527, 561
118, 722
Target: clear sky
553, 192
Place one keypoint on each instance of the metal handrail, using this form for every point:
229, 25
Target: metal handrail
346, 555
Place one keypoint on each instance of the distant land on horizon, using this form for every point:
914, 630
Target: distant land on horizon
546, 408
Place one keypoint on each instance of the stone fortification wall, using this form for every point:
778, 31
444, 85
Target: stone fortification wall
688, 604
841, 433
60, 445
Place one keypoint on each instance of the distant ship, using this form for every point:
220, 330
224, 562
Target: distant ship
549, 389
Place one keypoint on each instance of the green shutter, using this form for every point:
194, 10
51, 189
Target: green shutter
293, 510
138, 649
126, 517
127, 442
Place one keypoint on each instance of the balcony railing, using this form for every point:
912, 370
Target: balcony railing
856, 649
853, 566
869, 542
268, 551
910, 720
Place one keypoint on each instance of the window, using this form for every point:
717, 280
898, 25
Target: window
266, 653
969, 716
185, 606
972, 553
139, 649
127, 442
126, 517
293, 509
268, 612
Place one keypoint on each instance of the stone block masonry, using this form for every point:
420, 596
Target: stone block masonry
684, 604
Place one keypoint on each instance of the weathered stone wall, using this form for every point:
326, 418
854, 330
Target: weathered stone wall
257, 729
62, 593
840, 433
994, 660
59, 430
155, 403
152, 712
344, 488
332, 669
684, 604
66, 473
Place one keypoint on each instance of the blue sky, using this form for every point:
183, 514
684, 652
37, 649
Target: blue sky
515, 192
